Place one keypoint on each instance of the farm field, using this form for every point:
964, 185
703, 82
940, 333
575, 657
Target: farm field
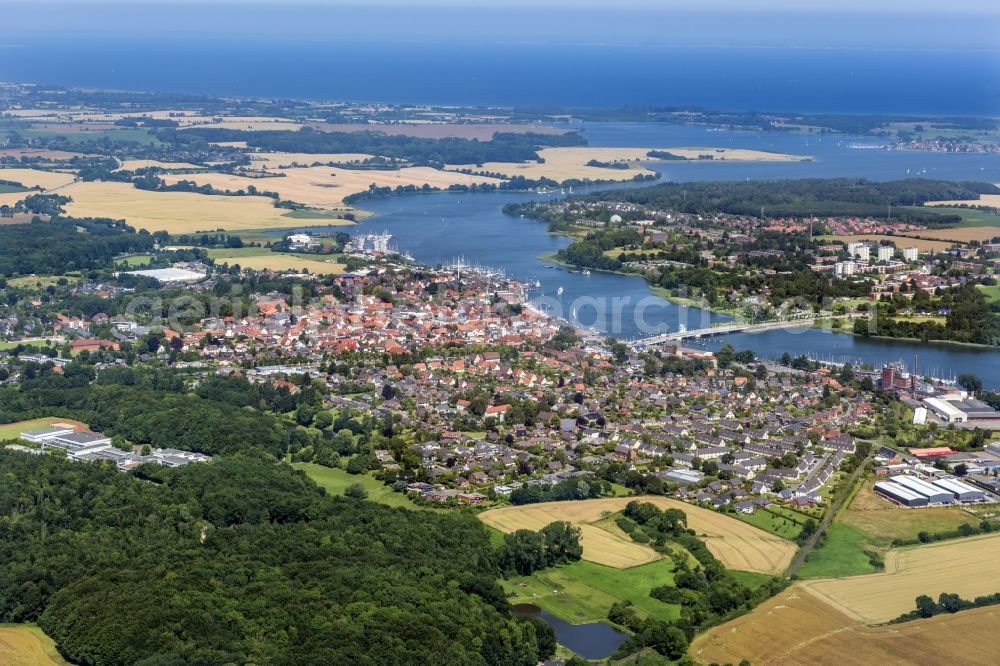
132, 165
967, 567
883, 521
900, 241
960, 234
27, 645
14, 430
326, 187
37, 178
796, 628
279, 160
971, 217
336, 481
571, 163
173, 212
278, 261
584, 591
991, 200
736, 544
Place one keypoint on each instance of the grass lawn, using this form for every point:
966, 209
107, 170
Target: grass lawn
769, 522
970, 216
313, 214
14, 430
336, 482
842, 554
118, 134
136, 260
992, 293
216, 252
27, 645
584, 591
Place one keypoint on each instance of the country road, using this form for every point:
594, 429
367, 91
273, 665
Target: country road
810, 544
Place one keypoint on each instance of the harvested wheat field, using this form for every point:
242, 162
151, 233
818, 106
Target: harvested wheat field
991, 200
571, 163
295, 160
27, 645
796, 628
174, 212
132, 165
279, 262
967, 567
326, 187
962, 234
39, 153
48, 180
736, 544
900, 241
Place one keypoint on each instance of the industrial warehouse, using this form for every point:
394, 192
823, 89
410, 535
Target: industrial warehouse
911, 491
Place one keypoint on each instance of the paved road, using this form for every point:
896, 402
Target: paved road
800, 557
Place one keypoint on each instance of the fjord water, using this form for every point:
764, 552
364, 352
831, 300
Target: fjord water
441, 228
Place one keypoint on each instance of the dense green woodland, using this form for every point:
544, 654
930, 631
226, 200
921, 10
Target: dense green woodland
246, 561
504, 147
812, 196
66, 244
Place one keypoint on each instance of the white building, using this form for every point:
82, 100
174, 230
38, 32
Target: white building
859, 250
843, 268
911, 254
886, 252
302, 242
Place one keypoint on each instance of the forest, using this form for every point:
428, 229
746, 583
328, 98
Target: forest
805, 197
57, 247
970, 319
246, 561
503, 147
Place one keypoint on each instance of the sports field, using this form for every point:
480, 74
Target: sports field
736, 544
27, 645
14, 430
795, 628
967, 567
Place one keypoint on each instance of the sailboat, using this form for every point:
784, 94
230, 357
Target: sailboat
559, 291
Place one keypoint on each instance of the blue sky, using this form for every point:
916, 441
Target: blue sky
883, 24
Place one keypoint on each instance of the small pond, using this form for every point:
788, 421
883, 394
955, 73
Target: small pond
595, 640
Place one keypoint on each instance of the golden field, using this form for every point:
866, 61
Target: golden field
736, 544
961, 234
132, 165
991, 200
39, 153
27, 645
326, 187
48, 180
286, 160
571, 163
279, 262
900, 241
174, 212
968, 567
795, 628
